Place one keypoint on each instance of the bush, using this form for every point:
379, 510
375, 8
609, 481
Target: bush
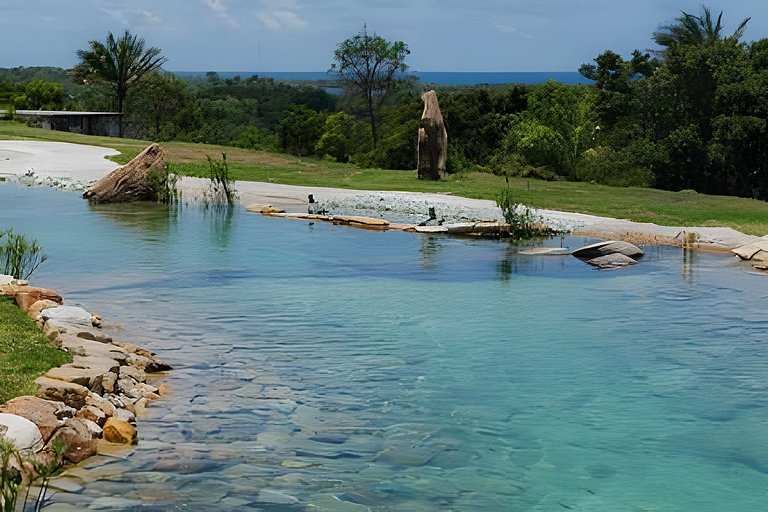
300, 130
19, 257
607, 166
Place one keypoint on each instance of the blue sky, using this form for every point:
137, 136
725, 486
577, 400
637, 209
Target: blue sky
300, 35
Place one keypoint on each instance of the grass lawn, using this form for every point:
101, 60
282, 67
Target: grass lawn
25, 353
684, 208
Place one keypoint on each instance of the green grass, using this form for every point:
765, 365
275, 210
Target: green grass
25, 353
685, 208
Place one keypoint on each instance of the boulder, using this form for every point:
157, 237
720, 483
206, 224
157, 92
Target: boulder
87, 348
53, 328
25, 296
20, 432
38, 307
119, 431
616, 260
102, 404
5, 279
73, 395
433, 140
46, 414
135, 373
598, 249
80, 440
86, 371
92, 413
756, 251
67, 314
129, 182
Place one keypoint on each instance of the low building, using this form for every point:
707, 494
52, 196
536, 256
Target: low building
88, 123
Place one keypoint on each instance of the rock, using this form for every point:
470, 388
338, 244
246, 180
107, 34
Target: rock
612, 261
108, 381
26, 296
129, 387
47, 415
79, 439
276, 497
92, 413
87, 348
67, 314
756, 251
119, 431
125, 415
102, 404
134, 373
20, 432
129, 182
37, 308
433, 140
93, 427
53, 328
5, 279
263, 209
73, 395
598, 249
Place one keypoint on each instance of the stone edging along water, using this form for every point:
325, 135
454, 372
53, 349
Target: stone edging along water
91, 403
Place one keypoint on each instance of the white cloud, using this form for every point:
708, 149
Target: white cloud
219, 8
512, 30
281, 19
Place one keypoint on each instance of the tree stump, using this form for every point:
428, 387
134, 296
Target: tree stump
433, 140
129, 182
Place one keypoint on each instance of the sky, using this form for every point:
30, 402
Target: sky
301, 35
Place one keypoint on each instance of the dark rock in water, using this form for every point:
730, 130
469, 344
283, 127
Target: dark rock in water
328, 438
611, 261
598, 249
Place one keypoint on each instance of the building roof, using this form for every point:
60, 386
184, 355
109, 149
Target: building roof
52, 113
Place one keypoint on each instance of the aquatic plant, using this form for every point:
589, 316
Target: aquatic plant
19, 257
221, 189
163, 183
523, 223
20, 471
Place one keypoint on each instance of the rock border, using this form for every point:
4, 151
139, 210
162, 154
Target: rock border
94, 399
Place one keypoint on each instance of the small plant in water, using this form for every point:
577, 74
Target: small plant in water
19, 257
20, 471
163, 184
523, 224
221, 189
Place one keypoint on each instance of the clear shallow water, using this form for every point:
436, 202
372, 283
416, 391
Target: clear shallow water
327, 368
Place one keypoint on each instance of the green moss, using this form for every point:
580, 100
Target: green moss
25, 353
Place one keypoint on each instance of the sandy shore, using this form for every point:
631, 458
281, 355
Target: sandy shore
88, 163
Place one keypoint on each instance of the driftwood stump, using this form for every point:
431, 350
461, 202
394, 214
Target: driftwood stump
433, 140
129, 182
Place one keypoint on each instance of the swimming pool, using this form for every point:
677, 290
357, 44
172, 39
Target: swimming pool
320, 367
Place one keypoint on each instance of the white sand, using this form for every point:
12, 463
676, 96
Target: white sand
87, 163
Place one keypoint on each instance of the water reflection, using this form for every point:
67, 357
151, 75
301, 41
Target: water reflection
219, 221
153, 222
429, 249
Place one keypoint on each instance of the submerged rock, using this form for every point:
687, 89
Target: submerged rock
612, 261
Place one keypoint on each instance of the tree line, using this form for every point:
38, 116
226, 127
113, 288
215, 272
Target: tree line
691, 114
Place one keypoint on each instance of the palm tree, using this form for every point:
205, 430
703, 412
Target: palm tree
119, 64
693, 30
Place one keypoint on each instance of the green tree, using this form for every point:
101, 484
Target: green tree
120, 64
701, 30
300, 129
556, 129
40, 95
373, 67
341, 137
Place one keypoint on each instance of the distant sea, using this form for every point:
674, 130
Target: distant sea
426, 77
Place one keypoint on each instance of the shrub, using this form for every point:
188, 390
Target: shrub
523, 224
19, 257
221, 189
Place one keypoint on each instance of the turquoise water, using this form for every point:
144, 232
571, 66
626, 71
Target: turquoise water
326, 368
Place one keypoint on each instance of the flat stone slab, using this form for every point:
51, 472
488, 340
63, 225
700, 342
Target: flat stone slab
88, 348
68, 314
756, 251
546, 251
608, 247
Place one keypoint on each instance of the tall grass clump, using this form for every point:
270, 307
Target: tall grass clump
163, 184
20, 472
221, 189
19, 257
523, 224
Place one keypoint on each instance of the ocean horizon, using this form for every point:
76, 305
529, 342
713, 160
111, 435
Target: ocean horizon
425, 77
